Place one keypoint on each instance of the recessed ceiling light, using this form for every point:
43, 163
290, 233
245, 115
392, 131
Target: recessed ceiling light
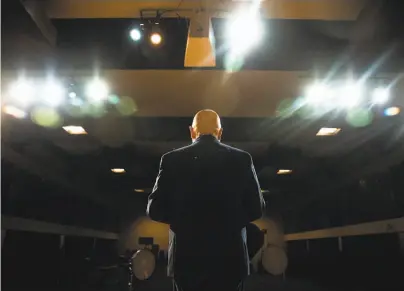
284, 171
328, 131
73, 129
139, 190
118, 170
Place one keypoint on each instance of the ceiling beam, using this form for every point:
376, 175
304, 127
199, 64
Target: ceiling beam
37, 10
291, 9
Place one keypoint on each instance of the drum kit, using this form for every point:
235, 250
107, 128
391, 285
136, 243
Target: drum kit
141, 264
132, 267
272, 257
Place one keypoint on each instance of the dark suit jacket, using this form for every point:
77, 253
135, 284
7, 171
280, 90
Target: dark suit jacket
208, 192
255, 239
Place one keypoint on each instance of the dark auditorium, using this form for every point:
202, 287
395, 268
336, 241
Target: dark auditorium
202, 145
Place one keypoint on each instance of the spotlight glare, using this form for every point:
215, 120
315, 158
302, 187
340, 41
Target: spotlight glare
244, 31
135, 34
72, 95
97, 90
22, 92
392, 111
318, 93
351, 95
52, 93
156, 38
380, 95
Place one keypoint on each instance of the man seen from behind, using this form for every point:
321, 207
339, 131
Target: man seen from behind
207, 192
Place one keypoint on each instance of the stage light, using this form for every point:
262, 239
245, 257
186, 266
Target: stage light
380, 95
52, 93
14, 111
139, 190
244, 31
350, 95
155, 38
97, 90
22, 92
72, 95
135, 34
328, 131
318, 93
392, 111
118, 170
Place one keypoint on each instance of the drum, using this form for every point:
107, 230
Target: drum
143, 264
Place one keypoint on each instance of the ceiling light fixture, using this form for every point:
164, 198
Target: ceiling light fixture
118, 170
135, 34
74, 129
328, 131
284, 171
155, 38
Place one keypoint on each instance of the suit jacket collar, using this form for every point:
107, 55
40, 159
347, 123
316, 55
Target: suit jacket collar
206, 138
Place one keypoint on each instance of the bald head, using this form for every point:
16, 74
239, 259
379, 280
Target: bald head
206, 122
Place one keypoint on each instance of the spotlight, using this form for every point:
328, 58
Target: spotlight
97, 90
318, 93
52, 93
22, 92
380, 95
244, 31
392, 111
72, 95
155, 38
350, 95
135, 34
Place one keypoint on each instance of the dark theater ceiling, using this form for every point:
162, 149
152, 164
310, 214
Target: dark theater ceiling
165, 96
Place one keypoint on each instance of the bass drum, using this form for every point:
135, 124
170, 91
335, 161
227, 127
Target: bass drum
143, 264
274, 260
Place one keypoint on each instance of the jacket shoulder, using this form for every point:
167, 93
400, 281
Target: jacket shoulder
237, 152
175, 152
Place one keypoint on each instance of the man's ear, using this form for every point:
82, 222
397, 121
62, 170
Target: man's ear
192, 133
219, 133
